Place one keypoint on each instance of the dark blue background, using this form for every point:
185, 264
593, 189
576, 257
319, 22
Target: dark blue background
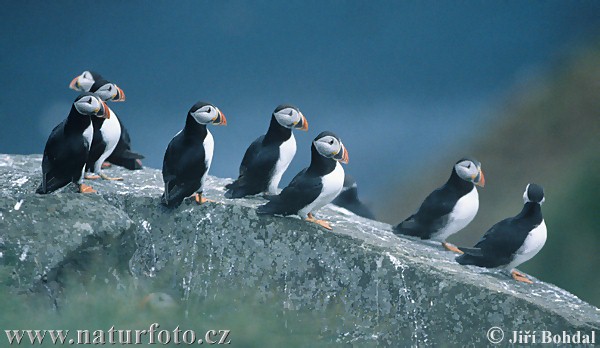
399, 81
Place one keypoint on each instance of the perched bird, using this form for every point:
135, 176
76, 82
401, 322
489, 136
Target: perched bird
107, 132
348, 199
448, 209
68, 146
511, 241
268, 157
189, 154
315, 186
122, 155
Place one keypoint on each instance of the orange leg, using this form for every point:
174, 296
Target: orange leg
91, 176
86, 189
201, 200
520, 277
106, 177
451, 247
106, 165
321, 223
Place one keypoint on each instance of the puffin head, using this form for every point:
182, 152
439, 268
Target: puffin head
89, 104
84, 81
107, 91
534, 193
205, 113
469, 169
329, 145
290, 116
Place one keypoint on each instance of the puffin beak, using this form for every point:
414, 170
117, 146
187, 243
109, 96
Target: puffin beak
303, 124
480, 179
342, 156
74, 85
220, 120
120, 95
105, 111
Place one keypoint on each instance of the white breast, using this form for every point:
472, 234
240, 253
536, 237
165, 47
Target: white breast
533, 244
209, 146
287, 151
463, 213
111, 133
332, 186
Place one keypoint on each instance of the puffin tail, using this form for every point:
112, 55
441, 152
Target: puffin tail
471, 256
269, 208
127, 159
172, 197
408, 227
236, 190
50, 185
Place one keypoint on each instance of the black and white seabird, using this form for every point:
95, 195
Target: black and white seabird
348, 199
69, 144
107, 132
268, 157
511, 241
315, 186
448, 209
122, 155
189, 155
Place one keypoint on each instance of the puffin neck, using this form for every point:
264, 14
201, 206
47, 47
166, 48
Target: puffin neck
194, 128
531, 210
459, 184
319, 164
276, 132
77, 122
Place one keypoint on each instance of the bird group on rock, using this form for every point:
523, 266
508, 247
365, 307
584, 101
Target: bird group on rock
93, 137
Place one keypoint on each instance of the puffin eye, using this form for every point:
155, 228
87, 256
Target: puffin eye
109, 88
469, 166
90, 101
209, 109
331, 142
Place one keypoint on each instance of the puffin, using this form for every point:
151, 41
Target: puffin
68, 145
448, 209
315, 186
268, 157
122, 155
348, 199
512, 241
189, 155
107, 132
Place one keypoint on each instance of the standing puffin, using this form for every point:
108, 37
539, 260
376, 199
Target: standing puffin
107, 132
448, 209
68, 146
268, 157
315, 186
512, 241
348, 199
189, 155
122, 154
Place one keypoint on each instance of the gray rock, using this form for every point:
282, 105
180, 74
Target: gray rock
374, 287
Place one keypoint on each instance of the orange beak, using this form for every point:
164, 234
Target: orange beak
480, 179
120, 95
344, 155
106, 112
304, 122
221, 120
74, 85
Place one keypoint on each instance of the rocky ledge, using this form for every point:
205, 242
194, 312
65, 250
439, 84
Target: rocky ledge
376, 287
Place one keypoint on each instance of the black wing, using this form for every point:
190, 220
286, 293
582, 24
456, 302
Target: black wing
183, 168
497, 246
255, 170
301, 191
431, 216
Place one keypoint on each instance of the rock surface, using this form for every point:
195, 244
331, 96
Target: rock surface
376, 287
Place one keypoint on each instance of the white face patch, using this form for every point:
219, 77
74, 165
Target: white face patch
88, 105
288, 117
328, 146
467, 170
107, 91
85, 81
206, 114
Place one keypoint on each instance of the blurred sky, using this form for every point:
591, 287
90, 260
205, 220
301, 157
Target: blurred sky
399, 81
